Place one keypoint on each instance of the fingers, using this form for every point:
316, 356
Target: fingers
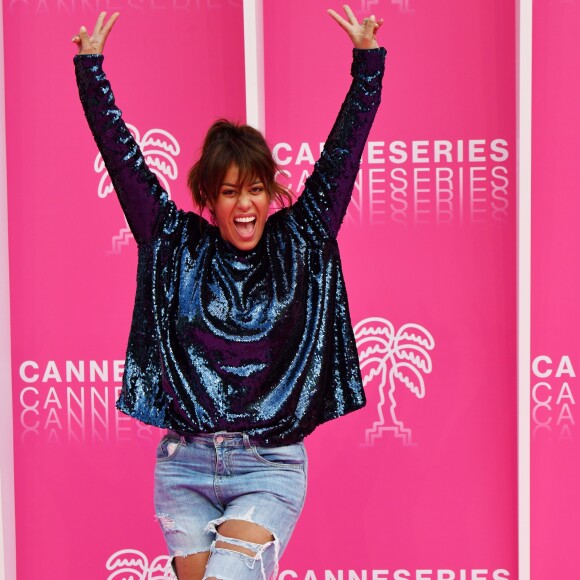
352, 24
76, 39
378, 23
341, 21
350, 15
370, 26
99, 24
85, 41
362, 34
94, 44
109, 25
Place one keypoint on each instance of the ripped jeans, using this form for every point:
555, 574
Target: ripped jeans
201, 481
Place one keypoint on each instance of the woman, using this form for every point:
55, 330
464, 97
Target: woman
241, 342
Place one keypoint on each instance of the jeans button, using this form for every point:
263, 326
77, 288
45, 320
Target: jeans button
219, 439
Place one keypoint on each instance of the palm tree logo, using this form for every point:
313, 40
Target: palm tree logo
159, 149
392, 360
134, 565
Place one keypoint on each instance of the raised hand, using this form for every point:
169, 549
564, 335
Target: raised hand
95, 43
362, 34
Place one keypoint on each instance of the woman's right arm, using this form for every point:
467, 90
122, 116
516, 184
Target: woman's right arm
142, 198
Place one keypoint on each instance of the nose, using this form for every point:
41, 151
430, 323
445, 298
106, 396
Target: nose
244, 200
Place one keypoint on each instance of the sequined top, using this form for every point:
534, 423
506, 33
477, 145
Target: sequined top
229, 340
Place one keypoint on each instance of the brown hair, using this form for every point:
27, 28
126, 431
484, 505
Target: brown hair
228, 143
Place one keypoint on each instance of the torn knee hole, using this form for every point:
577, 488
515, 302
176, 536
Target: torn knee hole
251, 553
243, 530
235, 548
246, 547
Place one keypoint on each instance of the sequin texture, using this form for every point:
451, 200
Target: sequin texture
223, 339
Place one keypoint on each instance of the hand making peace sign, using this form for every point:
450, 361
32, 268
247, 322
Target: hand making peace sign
363, 34
95, 43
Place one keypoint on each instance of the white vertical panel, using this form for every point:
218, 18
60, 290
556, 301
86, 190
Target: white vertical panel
7, 531
254, 61
524, 279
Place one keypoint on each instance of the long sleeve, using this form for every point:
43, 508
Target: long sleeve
328, 190
145, 203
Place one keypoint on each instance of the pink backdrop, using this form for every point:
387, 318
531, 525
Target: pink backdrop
555, 290
429, 241
421, 484
83, 471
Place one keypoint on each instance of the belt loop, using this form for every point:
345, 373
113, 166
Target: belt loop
247, 444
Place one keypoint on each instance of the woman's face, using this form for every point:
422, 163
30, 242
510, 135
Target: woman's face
241, 211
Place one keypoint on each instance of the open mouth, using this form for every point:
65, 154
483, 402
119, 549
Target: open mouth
245, 226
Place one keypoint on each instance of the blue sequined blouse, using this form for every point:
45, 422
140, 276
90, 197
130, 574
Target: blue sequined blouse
228, 340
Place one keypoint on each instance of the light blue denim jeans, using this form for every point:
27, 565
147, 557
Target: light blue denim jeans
202, 481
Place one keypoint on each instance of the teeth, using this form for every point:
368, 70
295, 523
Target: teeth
244, 219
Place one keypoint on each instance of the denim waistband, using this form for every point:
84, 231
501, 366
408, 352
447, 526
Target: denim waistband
220, 438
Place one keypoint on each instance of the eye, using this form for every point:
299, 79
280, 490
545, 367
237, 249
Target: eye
256, 189
229, 192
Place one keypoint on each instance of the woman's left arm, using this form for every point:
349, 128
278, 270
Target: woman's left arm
328, 190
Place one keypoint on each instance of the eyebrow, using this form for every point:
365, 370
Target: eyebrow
226, 184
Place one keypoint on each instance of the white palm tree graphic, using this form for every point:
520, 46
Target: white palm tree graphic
159, 149
134, 565
397, 359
